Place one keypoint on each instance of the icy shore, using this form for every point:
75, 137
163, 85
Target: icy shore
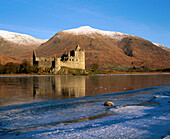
142, 113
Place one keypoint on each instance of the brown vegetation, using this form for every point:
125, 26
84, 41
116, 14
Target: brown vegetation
5, 59
109, 53
15, 68
17, 52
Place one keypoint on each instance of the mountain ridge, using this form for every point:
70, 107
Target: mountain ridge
17, 45
107, 48
87, 30
21, 39
108, 51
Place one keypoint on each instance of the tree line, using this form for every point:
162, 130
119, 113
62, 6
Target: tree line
26, 68
15, 68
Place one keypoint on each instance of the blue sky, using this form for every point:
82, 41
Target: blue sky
149, 19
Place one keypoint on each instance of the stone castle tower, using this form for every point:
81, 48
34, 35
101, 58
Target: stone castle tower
74, 59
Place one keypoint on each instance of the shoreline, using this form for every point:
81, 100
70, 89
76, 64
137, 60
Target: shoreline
128, 120
114, 73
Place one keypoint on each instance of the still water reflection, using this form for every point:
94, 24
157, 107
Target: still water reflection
25, 89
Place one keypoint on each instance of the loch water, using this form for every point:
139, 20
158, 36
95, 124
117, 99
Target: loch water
58, 106
16, 90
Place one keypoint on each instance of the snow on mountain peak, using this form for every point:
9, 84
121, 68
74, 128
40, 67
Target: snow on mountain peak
161, 46
87, 30
157, 44
21, 39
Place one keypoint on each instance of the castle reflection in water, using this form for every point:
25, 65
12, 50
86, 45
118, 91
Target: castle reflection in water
58, 86
16, 90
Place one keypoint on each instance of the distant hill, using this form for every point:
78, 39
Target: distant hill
107, 49
17, 45
5, 59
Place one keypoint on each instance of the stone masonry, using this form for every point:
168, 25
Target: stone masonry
74, 59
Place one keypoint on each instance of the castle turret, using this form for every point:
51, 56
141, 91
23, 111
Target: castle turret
33, 59
78, 48
34, 55
80, 57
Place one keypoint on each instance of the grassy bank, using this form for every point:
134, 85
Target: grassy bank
115, 72
26, 69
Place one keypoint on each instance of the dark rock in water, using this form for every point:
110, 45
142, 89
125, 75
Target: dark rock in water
108, 103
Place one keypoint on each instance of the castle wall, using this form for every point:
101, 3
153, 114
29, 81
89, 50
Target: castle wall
74, 59
77, 62
45, 62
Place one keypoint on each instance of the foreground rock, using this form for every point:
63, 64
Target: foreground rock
108, 103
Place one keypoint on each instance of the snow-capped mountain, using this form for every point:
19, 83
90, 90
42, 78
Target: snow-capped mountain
18, 45
89, 31
107, 48
21, 39
161, 46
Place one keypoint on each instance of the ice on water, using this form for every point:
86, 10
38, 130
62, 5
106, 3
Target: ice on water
143, 114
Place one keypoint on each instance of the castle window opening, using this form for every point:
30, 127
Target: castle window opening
72, 53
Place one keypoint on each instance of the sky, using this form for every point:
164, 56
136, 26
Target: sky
149, 19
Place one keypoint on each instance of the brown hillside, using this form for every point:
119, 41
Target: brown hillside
5, 59
18, 46
15, 50
108, 52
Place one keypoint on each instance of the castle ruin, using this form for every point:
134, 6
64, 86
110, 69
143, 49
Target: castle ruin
74, 59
